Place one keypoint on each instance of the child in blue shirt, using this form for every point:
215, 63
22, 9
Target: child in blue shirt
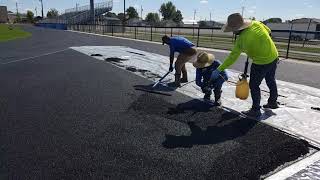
205, 65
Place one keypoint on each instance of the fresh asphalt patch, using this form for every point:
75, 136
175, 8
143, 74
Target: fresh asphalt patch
69, 116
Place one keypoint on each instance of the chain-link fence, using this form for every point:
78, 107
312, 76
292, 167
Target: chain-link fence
301, 45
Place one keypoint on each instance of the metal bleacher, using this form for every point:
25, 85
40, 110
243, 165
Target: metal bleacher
81, 14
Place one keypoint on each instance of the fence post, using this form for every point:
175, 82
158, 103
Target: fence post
112, 29
103, 24
145, 30
289, 41
212, 34
171, 31
151, 33
305, 39
135, 32
198, 37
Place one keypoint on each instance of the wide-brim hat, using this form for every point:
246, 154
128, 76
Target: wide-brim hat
204, 60
236, 23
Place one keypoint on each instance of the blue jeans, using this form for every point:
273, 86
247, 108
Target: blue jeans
216, 86
257, 74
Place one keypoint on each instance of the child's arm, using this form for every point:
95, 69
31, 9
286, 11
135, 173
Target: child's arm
199, 78
224, 72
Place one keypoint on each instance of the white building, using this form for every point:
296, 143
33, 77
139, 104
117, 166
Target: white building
3, 14
304, 24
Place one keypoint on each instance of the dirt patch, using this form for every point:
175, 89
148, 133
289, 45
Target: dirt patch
136, 53
144, 72
96, 55
115, 59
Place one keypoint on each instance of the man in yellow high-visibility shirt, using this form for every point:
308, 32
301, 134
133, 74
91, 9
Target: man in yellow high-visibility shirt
254, 39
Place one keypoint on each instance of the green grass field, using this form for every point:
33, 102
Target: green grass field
7, 34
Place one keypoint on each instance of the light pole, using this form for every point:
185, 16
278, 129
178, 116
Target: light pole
41, 8
124, 11
92, 10
242, 10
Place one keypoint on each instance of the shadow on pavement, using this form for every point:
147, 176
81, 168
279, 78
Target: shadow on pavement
194, 105
211, 135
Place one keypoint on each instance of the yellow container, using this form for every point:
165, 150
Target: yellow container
242, 89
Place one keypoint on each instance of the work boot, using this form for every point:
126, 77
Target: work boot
271, 105
184, 78
177, 80
253, 113
217, 99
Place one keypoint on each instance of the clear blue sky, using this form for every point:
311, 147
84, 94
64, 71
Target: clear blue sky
220, 9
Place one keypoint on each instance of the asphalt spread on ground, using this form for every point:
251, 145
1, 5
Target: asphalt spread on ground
69, 116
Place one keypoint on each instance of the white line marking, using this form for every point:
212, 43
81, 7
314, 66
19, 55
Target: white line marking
295, 168
33, 57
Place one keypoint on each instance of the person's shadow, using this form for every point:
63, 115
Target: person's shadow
194, 106
212, 134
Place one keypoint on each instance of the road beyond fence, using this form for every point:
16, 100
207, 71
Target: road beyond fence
290, 47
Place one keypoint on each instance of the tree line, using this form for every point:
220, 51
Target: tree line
168, 11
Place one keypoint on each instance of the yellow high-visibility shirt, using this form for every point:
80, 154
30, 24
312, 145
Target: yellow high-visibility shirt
256, 42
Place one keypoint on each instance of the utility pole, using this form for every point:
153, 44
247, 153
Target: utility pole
141, 12
77, 5
210, 16
194, 16
35, 9
194, 20
124, 12
17, 8
92, 15
41, 8
242, 10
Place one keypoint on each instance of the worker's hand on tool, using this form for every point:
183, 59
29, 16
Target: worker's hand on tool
171, 68
215, 75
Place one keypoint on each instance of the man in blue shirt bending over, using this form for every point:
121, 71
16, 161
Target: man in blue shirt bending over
205, 65
186, 51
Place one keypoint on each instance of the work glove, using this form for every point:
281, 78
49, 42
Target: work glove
171, 68
215, 75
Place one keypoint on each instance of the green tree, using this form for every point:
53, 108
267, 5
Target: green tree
132, 13
202, 24
52, 13
178, 17
120, 16
168, 11
111, 14
30, 16
153, 18
17, 19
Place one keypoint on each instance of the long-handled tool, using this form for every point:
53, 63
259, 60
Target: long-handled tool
159, 81
152, 90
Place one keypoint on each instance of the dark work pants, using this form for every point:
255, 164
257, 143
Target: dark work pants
257, 74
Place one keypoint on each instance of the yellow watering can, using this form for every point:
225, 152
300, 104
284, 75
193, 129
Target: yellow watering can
242, 88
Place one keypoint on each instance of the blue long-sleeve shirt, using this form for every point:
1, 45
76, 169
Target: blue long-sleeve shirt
179, 44
203, 75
